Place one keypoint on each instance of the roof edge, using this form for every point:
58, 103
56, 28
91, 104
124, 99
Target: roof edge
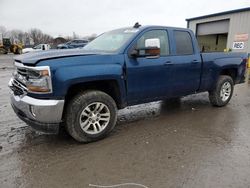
219, 14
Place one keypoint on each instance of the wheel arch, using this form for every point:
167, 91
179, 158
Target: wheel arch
111, 87
232, 72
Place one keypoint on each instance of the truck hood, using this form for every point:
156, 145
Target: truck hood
35, 57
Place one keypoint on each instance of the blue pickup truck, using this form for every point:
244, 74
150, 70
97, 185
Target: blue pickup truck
82, 89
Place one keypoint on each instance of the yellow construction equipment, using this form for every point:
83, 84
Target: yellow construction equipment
6, 47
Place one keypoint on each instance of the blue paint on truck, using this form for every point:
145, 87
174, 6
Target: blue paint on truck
178, 70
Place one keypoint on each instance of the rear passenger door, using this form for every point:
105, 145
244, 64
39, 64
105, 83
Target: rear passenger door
185, 64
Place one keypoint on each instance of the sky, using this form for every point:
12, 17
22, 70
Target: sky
86, 17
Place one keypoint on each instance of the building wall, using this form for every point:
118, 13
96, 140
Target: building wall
239, 23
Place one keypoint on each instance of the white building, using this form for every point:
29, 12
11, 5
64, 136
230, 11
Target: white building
228, 30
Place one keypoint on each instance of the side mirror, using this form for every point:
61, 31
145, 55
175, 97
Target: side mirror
154, 42
151, 49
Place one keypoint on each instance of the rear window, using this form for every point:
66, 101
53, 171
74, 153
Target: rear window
183, 41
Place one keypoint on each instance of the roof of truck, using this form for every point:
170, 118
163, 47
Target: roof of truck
155, 27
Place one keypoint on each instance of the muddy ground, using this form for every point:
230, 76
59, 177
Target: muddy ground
158, 145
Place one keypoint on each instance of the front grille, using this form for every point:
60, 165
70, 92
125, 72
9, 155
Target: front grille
20, 77
17, 87
22, 71
16, 90
19, 80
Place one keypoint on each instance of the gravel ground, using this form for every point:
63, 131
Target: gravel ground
162, 144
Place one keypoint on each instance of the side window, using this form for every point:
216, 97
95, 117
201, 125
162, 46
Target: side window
160, 34
183, 41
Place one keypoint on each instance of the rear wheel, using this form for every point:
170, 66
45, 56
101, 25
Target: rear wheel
90, 116
223, 91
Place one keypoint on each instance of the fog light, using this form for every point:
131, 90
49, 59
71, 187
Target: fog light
32, 110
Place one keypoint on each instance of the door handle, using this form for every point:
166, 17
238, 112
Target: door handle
168, 63
194, 61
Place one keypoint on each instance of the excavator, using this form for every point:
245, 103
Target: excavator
6, 47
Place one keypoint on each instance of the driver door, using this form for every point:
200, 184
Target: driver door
147, 77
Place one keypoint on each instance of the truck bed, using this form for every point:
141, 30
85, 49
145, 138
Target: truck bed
213, 63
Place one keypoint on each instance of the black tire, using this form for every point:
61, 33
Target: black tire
19, 51
215, 95
76, 106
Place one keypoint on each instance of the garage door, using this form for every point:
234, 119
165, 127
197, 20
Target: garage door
210, 28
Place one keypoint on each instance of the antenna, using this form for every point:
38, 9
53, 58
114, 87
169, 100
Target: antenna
137, 25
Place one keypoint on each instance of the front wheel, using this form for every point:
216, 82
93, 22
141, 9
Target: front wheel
90, 116
223, 91
19, 51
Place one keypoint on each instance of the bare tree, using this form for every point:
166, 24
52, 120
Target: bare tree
36, 35
32, 37
39, 37
3, 30
27, 41
21, 36
16, 36
46, 38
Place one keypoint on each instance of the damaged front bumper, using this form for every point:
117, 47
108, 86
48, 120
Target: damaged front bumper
42, 115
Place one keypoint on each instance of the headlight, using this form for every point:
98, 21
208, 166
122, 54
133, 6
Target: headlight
39, 80
35, 79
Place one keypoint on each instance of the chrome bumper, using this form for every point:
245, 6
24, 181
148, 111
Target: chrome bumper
43, 115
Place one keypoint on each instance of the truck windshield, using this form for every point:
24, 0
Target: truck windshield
111, 41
